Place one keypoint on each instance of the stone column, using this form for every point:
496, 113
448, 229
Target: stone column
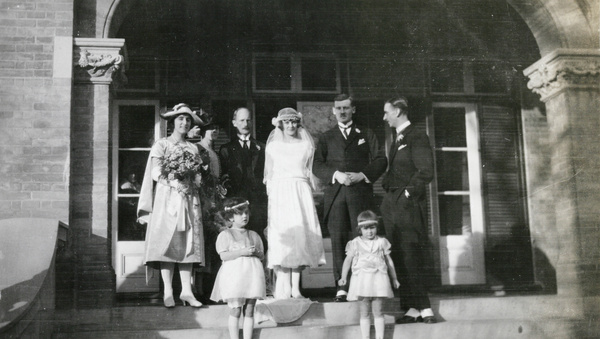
568, 81
98, 68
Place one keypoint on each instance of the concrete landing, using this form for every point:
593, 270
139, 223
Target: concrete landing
508, 317
485, 329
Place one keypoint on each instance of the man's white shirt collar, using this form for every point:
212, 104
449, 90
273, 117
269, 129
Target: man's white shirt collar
241, 139
348, 125
402, 127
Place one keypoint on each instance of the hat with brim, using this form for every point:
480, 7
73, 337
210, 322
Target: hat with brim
206, 119
182, 109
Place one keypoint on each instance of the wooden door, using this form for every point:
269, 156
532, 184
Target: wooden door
456, 193
135, 128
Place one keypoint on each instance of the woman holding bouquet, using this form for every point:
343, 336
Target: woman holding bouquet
174, 233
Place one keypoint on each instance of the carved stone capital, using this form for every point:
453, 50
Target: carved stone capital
564, 69
99, 61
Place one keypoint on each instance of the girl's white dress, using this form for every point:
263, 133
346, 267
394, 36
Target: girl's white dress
369, 270
241, 278
294, 232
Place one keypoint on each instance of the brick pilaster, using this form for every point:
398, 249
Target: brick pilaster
98, 64
569, 83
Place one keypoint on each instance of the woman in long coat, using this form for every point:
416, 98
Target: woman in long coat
174, 233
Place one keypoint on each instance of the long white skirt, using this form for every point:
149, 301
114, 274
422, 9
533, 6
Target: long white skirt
294, 232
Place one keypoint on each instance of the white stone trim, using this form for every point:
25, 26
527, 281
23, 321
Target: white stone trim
562, 69
99, 61
63, 48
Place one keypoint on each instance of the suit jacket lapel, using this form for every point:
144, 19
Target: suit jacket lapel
253, 153
394, 150
338, 137
407, 131
351, 136
236, 149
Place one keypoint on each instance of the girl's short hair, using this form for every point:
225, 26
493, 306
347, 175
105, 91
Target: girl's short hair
231, 206
366, 218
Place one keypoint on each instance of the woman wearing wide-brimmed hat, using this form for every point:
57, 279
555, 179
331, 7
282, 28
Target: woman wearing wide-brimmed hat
294, 232
173, 214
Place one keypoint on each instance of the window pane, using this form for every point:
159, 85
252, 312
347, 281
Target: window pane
273, 73
136, 126
319, 75
131, 170
447, 77
450, 129
129, 228
455, 214
452, 171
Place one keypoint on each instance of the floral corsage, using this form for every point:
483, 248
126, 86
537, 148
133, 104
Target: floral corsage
182, 169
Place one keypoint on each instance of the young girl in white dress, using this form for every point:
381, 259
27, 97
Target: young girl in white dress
241, 278
294, 232
372, 271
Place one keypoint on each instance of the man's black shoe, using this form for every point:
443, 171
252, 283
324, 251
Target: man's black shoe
429, 320
340, 298
409, 320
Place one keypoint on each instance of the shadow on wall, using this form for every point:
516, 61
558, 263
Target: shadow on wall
509, 264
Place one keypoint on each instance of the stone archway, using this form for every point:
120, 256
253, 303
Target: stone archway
567, 77
560, 24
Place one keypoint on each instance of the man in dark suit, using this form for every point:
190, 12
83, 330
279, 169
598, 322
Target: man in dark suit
347, 161
404, 208
243, 161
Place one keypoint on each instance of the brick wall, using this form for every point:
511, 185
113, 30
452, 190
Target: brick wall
542, 218
34, 109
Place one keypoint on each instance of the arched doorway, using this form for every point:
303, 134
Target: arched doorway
462, 72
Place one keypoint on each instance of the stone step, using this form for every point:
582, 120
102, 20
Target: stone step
329, 313
489, 329
506, 317
214, 316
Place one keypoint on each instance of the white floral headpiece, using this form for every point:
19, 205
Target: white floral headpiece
241, 204
287, 113
367, 223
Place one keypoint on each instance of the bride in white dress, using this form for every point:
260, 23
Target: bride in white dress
294, 233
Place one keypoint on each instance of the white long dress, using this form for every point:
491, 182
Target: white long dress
294, 232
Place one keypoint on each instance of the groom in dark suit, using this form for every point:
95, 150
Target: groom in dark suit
243, 162
404, 209
348, 161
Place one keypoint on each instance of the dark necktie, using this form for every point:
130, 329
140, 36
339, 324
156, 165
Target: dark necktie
394, 142
345, 131
245, 144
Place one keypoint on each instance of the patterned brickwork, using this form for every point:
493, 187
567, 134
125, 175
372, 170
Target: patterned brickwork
35, 110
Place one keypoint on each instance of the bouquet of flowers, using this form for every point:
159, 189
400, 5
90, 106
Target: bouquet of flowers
182, 169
